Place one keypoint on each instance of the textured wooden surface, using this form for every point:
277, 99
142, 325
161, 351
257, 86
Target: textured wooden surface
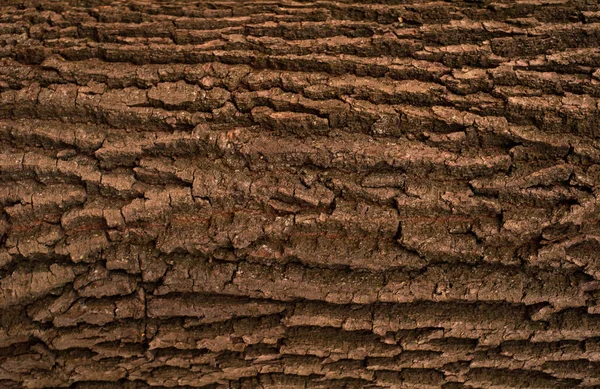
279, 194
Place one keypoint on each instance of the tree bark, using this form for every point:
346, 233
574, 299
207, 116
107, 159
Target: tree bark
299, 194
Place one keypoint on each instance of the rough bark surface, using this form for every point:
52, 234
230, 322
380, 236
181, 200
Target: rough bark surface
281, 194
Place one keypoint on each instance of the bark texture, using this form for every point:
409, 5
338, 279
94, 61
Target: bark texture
299, 194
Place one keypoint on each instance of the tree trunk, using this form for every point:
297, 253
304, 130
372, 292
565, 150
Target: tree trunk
279, 194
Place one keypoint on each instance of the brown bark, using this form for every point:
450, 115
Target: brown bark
279, 194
